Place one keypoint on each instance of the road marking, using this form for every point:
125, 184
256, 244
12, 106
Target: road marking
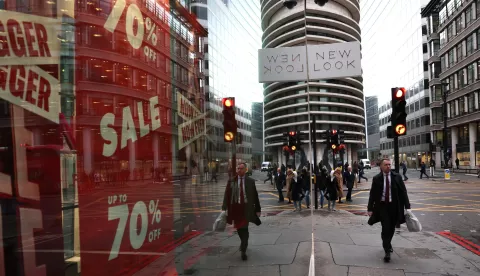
460, 214
441, 214
446, 230
422, 214
473, 231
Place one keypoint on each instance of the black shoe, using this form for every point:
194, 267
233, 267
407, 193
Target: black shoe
390, 250
244, 256
387, 257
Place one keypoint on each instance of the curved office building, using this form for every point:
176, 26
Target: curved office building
335, 103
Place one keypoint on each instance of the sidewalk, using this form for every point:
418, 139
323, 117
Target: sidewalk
344, 245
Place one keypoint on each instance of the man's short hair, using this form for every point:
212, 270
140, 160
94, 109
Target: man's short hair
384, 159
244, 164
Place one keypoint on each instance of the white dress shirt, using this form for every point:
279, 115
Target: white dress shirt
385, 187
240, 188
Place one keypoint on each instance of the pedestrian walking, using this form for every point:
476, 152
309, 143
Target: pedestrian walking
388, 199
457, 162
332, 189
404, 168
269, 176
432, 167
280, 182
350, 178
306, 186
323, 180
242, 205
289, 186
423, 170
297, 192
339, 184
361, 172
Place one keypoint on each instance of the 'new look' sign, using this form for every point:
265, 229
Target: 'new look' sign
325, 61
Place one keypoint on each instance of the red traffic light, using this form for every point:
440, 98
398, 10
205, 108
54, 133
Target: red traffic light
292, 133
228, 102
334, 131
400, 93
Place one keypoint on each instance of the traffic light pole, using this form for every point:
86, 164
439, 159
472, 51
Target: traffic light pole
234, 159
396, 154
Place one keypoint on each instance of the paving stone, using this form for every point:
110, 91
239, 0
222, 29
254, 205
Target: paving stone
254, 239
376, 240
294, 237
266, 270
366, 271
359, 255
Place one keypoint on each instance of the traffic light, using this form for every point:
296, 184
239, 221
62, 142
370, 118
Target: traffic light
229, 121
334, 139
399, 115
292, 140
341, 137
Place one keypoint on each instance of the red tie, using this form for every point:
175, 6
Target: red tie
387, 186
242, 200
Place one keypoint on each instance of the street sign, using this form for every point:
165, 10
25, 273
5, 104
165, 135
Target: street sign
447, 174
333, 60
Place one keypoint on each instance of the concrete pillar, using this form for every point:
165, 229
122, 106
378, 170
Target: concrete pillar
353, 153
87, 150
131, 158
472, 133
454, 144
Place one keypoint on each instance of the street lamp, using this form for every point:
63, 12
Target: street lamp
445, 92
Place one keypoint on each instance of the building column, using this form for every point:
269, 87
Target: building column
87, 150
454, 144
131, 158
353, 153
472, 133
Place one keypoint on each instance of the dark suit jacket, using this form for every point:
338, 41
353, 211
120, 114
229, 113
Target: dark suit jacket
399, 197
349, 178
280, 180
253, 202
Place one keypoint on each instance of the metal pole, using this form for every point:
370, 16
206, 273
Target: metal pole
234, 158
396, 154
315, 166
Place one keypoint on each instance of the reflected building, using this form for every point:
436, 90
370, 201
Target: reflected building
230, 68
373, 135
258, 155
335, 103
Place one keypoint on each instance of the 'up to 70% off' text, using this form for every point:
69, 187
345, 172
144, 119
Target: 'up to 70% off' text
137, 233
134, 38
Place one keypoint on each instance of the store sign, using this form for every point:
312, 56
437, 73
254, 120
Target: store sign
28, 39
194, 127
31, 88
334, 60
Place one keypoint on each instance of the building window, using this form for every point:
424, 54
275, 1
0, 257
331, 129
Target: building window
442, 62
443, 36
452, 109
471, 102
461, 78
470, 73
459, 52
470, 44
450, 33
451, 60
461, 105
459, 24
468, 15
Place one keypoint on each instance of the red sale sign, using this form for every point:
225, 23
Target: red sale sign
124, 138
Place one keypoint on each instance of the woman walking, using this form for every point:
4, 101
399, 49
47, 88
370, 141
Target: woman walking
338, 175
289, 185
332, 192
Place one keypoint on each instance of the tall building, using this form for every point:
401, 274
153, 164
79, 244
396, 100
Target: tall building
373, 129
230, 68
258, 155
335, 103
454, 41
401, 64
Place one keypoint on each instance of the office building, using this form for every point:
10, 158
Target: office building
402, 64
373, 130
335, 103
230, 68
454, 43
258, 155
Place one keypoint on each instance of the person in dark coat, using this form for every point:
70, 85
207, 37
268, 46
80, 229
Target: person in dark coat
332, 191
306, 185
349, 179
323, 180
279, 183
242, 205
297, 190
423, 170
388, 199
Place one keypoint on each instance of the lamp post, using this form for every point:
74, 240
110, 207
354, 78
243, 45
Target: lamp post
445, 142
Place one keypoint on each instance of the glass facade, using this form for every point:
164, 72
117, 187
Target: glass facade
112, 129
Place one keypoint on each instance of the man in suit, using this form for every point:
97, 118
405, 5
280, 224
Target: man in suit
388, 199
280, 182
349, 177
242, 205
